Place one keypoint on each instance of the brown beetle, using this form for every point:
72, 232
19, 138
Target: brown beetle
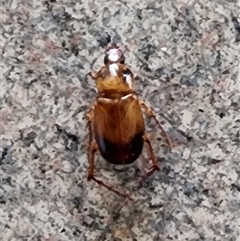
115, 121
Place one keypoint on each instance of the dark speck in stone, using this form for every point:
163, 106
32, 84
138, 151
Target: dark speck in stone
9, 180
177, 21
29, 71
189, 138
29, 139
187, 193
146, 68
47, 84
236, 25
220, 202
56, 101
35, 156
104, 40
156, 206
234, 104
221, 114
213, 161
76, 232
49, 73
48, 5
227, 229
2, 200
75, 50
139, 14
77, 201
67, 15
234, 186
147, 51
205, 192
108, 39
226, 72
190, 191
39, 238
87, 224
63, 43
139, 17
166, 170
59, 128
7, 226
73, 137
159, 71
4, 153
174, 29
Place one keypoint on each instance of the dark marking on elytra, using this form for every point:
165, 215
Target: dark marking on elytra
121, 154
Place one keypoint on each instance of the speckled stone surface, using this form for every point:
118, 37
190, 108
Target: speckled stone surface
186, 56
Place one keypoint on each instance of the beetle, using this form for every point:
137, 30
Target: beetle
115, 121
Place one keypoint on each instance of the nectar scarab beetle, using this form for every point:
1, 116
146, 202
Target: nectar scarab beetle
115, 121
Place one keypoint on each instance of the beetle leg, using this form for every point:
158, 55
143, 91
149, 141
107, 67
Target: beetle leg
153, 158
151, 114
93, 75
92, 146
90, 114
91, 176
91, 152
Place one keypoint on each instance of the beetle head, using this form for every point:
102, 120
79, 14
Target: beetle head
115, 76
114, 54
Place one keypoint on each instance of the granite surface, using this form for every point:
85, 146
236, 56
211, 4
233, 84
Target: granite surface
185, 54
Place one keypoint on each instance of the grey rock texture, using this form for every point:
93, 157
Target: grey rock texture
186, 56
